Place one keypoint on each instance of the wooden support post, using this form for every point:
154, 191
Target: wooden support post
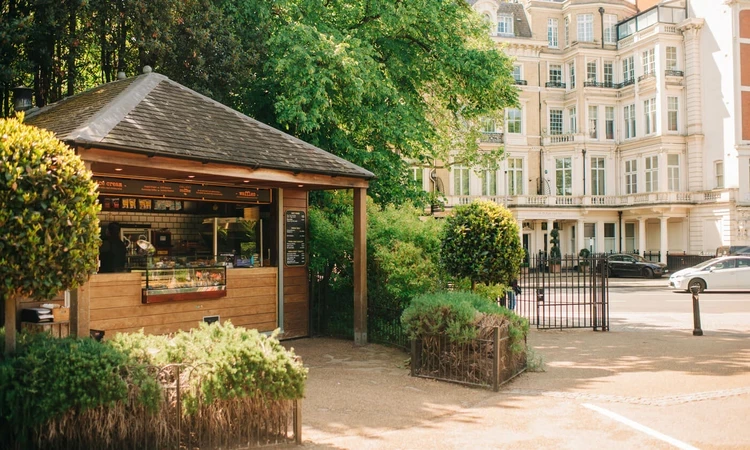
10, 325
360, 266
80, 314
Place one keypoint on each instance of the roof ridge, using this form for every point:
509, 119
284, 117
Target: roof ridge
98, 126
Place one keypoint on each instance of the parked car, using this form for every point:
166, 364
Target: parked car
627, 265
729, 250
726, 272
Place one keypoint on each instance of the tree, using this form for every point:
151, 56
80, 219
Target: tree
48, 214
481, 242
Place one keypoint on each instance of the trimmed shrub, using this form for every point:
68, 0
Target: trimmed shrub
461, 316
480, 242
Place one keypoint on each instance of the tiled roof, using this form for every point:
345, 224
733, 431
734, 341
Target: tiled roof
521, 26
153, 114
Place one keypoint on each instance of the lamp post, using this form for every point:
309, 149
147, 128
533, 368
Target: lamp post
22, 98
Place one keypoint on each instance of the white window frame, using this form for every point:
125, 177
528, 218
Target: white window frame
461, 180
515, 176
598, 175
489, 125
649, 62
652, 173
610, 28
673, 172
489, 182
631, 176
567, 30
628, 68
585, 27
591, 71
609, 122
564, 176
552, 33
555, 73
417, 174
609, 73
556, 119
513, 121
673, 112
593, 121
629, 116
571, 75
719, 174
505, 25
517, 72
649, 116
671, 58
572, 120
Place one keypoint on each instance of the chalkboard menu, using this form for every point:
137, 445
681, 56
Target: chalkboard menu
296, 247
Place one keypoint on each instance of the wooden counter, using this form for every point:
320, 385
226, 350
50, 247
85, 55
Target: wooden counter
251, 302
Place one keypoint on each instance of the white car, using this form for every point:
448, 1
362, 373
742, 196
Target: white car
726, 272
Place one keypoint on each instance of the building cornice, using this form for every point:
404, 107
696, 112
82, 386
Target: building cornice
693, 23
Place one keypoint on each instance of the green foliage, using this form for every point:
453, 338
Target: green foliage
554, 251
459, 316
48, 214
232, 362
402, 250
48, 377
481, 242
375, 82
585, 254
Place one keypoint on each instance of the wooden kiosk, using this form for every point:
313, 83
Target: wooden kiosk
173, 168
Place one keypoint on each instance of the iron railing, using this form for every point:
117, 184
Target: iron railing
488, 362
673, 73
521, 82
555, 84
600, 84
646, 76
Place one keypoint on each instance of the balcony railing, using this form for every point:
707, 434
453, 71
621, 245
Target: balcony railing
646, 76
521, 82
555, 84
491, 137
673, 73
605, 201
598, 84
624, 83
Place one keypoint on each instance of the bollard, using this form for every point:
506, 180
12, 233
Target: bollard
697, 331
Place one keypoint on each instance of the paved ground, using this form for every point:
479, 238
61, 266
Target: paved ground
598, 390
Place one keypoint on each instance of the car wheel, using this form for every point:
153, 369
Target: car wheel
697, 282
647, 272
610, 274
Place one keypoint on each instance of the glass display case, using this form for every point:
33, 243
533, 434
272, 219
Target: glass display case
168, 281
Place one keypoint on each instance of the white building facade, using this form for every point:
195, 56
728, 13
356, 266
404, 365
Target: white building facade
633, 129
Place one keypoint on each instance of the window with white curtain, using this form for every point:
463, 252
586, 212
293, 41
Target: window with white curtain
564, 176
513, 121
629, 115
649, 61
672, 112
673, 172
572, 75
671, 58
573, 123
598, 182
552, 33
460, 180
515, 176
719, 171
505, 24
631, 176
628, 69
593, 122
609, 122
649, 115
489, 182
591, 71
610, 31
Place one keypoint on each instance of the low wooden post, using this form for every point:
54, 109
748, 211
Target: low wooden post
80, 310
10, 325
298, 421
496, 365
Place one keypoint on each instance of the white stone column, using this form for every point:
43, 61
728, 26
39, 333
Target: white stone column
663, 241
599, 236
662, 172
691, 30
519, 221
641, 235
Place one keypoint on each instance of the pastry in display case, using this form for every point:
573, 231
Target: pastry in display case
172, 280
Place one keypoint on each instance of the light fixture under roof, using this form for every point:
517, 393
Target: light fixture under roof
118, 169
245, 181
191, 176
300, 185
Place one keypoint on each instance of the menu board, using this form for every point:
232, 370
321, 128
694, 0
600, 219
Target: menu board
296, 231
194, 191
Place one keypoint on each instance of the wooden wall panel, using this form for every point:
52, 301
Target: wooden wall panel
251, 302
745, 23
296, 289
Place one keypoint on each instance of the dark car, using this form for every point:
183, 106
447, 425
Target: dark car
626, 265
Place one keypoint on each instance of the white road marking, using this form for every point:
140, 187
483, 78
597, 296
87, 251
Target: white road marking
713, 300
639, 427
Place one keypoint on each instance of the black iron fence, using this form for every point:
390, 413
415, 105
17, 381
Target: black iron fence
565, 292
488, 362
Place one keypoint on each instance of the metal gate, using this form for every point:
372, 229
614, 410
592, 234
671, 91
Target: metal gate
571, 292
